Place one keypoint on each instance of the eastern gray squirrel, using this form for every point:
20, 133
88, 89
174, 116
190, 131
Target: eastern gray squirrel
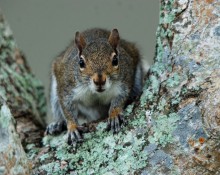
94, 78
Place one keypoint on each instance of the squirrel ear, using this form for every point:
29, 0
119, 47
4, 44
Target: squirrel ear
80, 41
114, 38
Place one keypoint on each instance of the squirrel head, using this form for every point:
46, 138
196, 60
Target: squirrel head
98, 61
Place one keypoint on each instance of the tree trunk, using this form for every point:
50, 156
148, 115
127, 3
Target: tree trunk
22, 106
175, 126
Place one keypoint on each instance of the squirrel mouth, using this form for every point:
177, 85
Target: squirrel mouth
100, 89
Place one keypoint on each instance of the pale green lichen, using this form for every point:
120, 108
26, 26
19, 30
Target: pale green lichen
5, 116
158, 68
32, 151
129, 109
101, 152
150, 90
175, 101
45, 156
163, 128
161, 104
167, 17
53, 168
173, 81
141, 121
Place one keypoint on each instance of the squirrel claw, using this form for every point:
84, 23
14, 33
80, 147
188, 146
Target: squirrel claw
55, 128
114, 124
74, 137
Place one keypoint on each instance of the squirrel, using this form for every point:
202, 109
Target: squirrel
93, 79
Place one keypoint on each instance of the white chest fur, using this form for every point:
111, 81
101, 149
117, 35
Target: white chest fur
87, 96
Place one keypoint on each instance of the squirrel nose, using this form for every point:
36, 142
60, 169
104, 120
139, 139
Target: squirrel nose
99, 79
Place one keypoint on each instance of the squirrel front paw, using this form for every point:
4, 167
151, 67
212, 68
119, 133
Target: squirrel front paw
73, 134
114, 124
115, 121
56, 128
74, 137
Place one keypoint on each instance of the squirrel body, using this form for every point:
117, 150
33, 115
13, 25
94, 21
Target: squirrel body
93, 79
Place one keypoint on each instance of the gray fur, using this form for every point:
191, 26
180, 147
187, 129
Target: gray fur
138, 81
78, 96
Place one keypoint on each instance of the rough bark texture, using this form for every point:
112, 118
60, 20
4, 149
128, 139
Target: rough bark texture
22, 106
175, 126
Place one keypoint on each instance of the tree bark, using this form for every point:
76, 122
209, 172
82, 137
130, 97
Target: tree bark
22, 106
175, 126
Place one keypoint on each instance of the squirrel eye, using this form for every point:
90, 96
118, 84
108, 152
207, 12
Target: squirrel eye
115, 60
81, 63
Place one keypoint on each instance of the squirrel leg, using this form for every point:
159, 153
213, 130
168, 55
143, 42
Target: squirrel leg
73, 128
115, 120
73, 134
59, 123
116, 117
